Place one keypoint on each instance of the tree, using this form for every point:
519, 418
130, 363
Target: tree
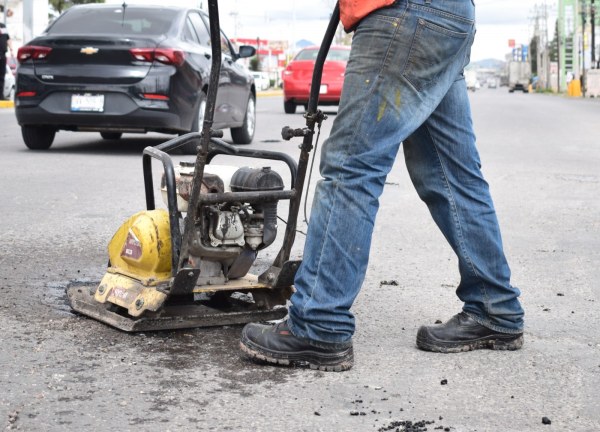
61, 5
533, 50
255, 62
554, 44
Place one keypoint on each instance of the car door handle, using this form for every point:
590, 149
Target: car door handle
207, 56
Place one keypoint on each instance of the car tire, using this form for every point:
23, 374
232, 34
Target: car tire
111, 135
190, 148
245, 133
289, 107
38, 137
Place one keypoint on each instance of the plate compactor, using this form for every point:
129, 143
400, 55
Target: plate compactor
187, 266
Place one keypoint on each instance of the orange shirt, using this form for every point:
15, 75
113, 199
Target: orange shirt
352, 11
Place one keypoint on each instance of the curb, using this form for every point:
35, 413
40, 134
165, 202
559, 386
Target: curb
7, 104
269, 93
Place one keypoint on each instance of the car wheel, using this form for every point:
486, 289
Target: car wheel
245, 133
190, 148
38, 137
289, 107
111, 135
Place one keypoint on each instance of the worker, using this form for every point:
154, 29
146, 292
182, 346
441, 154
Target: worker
5, 45
404, 84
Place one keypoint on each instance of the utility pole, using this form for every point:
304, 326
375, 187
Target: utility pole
559, 26
546, 59
538, 42
583, 75
543, 50
593, 22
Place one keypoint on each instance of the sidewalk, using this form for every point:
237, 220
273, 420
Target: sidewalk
7, 104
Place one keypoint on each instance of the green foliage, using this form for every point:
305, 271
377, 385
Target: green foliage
533, 50
554, 45
544, 91
61, 5
255, 63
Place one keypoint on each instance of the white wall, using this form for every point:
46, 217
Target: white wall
29, 19
35, 18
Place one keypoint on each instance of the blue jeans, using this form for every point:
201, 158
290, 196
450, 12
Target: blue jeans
403, 83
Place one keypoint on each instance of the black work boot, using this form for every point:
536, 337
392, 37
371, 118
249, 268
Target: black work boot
276, 344
463, 333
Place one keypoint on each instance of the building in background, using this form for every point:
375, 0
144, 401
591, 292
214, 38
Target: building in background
568, 58
24, 19
577, 45
270, 58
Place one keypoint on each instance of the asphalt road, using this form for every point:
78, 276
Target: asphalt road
64, 372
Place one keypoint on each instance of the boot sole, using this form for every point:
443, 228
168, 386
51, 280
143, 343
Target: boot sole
496, 342
337, 362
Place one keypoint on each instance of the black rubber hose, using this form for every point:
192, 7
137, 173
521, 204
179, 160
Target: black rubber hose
321, 56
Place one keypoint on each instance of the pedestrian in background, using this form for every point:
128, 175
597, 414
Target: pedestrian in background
5, 45
404, 83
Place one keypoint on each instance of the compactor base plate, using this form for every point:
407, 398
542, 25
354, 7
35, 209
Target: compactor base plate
174, 315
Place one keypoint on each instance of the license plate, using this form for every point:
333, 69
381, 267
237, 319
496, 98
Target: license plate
323, 89
87, 103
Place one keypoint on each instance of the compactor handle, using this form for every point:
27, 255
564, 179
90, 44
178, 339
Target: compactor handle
287, 133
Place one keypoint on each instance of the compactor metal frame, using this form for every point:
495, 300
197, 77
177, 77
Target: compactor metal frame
272, 288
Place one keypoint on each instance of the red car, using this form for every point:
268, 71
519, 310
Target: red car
297, 77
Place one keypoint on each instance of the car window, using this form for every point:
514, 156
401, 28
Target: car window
114, 20
201, 30
307, 55
189, 34
334, 54
338, 55
225, 44
225, 47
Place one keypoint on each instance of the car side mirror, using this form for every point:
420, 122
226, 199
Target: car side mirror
246, 51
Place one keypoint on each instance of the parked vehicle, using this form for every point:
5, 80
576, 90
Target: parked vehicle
129, 68
297, 77
12, 63
519, 76
8, 92
261, 80
492, 83
471, 80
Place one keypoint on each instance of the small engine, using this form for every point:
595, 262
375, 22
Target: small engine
227, 237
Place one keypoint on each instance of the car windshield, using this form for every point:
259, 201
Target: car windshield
334, 54
114, 20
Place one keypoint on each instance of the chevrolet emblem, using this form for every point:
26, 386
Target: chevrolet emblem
88, 50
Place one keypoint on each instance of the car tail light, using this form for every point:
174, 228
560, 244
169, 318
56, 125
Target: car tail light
26, 94
32, 52
155, 96
168, 56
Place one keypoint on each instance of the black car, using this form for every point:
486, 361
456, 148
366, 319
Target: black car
129, 68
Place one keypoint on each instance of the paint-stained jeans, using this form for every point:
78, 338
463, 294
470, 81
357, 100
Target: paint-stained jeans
403, 83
